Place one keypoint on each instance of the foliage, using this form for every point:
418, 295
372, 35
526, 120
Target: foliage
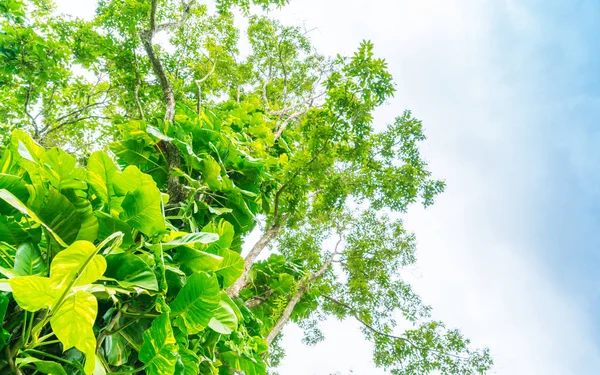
124, 253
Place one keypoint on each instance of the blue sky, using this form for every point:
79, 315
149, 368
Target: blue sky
508, 92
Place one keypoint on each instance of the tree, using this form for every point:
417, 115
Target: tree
209, 146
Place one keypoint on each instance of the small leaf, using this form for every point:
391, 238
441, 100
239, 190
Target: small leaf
107, 225
29, 261
190, 360
116, 349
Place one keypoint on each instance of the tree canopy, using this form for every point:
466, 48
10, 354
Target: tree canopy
141, 148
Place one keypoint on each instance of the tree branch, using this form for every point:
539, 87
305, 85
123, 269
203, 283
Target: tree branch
258, 247
353, 313
199, 81
304, 285
176, 191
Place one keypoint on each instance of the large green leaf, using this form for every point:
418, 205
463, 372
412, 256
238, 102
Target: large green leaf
130, 270
28, 154
107, 225
79, 263
197, 301
16, 186
21, 207
45, 367
33, 292
211, 172
73, 324
250, 366
226, 234
88, 228
159, 350
190, 360
58, 213
142, 210
192, 260
231, 268
226, 316
11, 232
101, 168
29, 261
130, 179
62, 171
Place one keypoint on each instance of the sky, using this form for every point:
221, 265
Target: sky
508, 92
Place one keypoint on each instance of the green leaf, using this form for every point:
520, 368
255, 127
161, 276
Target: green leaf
157, 134
129, 180
191, 238
11, 232
62, 171
60, 215
231, 268
226, 316
211, 172
29, 261
196, 303
142, 210
226, 234
16, 186
116, 350
130, 270
101, 168
45, 367
159, 350
73, 324
192, 260
250, 366
107, 225
4, 334
33, 292
190, 360
79, 262
16, 203
88, 229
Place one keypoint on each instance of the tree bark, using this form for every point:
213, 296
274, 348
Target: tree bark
259, 246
